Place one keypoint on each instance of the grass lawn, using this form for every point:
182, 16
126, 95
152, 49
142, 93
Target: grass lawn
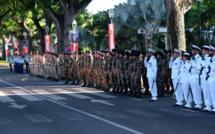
3, 61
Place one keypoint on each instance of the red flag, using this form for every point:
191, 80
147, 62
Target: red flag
25, 50
74, 47
15, 47
6, 49
47, 43
111, 36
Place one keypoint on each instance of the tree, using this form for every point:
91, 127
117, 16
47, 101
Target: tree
63, 13
175, 11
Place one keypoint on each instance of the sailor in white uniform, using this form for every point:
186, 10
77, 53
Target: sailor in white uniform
176, 65
211, 78
195, 80
152, 75
204, 83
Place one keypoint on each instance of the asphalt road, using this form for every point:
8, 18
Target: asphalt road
30, 105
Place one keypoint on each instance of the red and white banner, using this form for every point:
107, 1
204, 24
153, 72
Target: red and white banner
74, 47
47, 43
15, 47
6, 49
111, 36
25, 50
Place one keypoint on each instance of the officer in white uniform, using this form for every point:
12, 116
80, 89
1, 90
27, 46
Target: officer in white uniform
184, 80
152, 75
195, 80
211, 78
176, 65
204, 82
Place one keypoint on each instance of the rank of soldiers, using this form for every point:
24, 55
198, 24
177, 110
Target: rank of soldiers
129, 72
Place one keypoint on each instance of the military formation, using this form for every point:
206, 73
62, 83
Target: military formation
134, 73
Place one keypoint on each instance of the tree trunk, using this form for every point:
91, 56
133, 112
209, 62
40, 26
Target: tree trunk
176, 10
3, 49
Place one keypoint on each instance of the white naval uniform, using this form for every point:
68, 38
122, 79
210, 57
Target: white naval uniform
194, 80
185, 84
211, 81
176, 65
152, 75
204, 83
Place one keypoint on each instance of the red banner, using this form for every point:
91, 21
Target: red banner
15, 47
111, 36
47, 43
6, 49
25, 50
74, 47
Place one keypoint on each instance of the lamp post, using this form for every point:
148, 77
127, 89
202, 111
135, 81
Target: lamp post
111, 14
25, 35
74, 25
47, 30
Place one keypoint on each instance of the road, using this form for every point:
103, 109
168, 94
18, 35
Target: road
39, 106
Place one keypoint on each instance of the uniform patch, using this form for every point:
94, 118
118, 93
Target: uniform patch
176, 64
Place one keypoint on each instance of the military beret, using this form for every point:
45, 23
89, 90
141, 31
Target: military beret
165, 51
159, 53
127, 53
143, 53
169, 51
113, 50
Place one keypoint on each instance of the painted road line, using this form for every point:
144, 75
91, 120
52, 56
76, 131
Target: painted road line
96, 93
4, 98
73, 94
36, 118
49, 95
26, 96
82, 112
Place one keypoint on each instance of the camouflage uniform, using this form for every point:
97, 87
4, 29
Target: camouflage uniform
127, 75
166, 79
160, 81
122, 75
114, 77
136, 81
118, 82
109, 65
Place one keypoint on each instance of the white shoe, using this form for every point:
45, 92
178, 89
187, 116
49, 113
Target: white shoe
188, 106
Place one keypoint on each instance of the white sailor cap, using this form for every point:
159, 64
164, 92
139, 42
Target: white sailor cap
186, 54
195, 47
151, 51
212, 48
205, 47
177, 51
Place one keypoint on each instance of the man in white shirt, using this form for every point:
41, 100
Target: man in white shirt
195, 80
176, 65
152, 75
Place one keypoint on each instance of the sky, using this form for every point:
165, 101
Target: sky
102, 5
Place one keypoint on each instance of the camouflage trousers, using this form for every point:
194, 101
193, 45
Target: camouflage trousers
136, 83
89, 77
160, 84
118, 82
98, 79
123, 81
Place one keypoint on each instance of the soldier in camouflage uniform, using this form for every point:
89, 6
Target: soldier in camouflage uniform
129, 82
109, 72
122, 73
136, 79
104, 71
126, 72
160, 73
114, 77
117, 72
66, 70
166, 63
89, 62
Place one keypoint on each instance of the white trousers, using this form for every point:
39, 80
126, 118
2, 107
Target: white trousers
153, 88
196, 90
206, 92
186, 92
212, 90
178, 91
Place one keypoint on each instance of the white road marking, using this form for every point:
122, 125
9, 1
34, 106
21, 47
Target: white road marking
73, 94
4, 98
26, 96
82, 112
102, 101
96, 93
48, 94
16, 106
177, 112
36, 118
